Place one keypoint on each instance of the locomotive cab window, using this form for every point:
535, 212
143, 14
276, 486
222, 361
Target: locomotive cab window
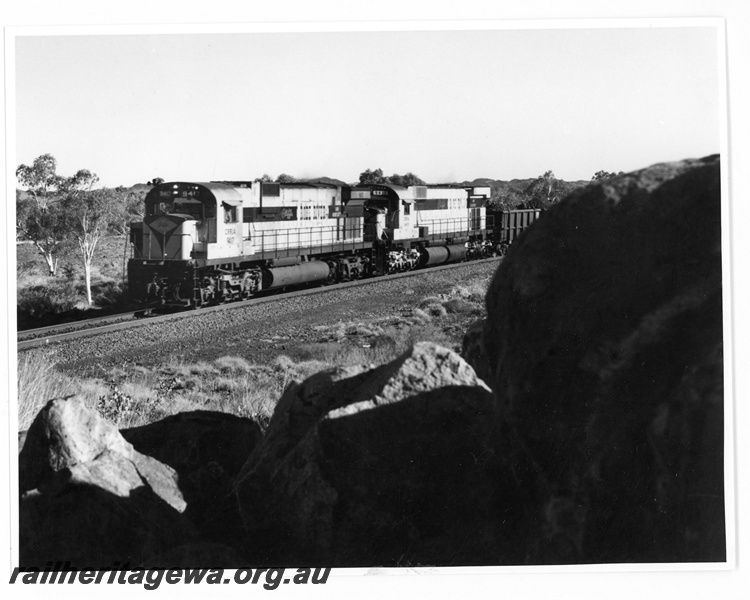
182, 206
186, 206
230, 213
157, 208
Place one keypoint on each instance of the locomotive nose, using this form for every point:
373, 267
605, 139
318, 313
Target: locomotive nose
170, 236
165, 224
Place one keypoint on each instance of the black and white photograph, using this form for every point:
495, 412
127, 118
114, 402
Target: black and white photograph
421, 302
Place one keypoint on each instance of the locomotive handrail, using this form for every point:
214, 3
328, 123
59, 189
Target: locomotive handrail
450, 226
320, 237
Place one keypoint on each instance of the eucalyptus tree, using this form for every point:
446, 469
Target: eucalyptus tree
89, 214
39, 217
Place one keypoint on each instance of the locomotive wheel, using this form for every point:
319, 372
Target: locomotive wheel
331, 279
247, 284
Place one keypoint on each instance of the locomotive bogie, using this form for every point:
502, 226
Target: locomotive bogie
349, 268
162, 283
402, 260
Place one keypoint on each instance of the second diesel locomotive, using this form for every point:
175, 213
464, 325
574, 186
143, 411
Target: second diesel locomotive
213, 242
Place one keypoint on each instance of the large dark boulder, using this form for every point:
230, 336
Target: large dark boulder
89, 497
206, 449
604, 337
388, 466
472, 349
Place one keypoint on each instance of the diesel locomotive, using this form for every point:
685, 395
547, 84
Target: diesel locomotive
213, 242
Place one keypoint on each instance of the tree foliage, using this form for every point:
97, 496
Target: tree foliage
546, 190
543, 191
604, 175
285, 178
405, 180
46, 227
509, 199
370, 177
41, 179
128, 206
83, 181
39, 217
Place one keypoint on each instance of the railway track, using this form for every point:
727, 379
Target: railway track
43, 336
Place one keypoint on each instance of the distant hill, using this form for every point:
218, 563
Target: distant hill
139, 187
326, 180
499, 184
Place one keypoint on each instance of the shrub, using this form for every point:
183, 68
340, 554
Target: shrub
51, 298
420, 316
436, 310
461, 307
106, 293
200, 369
115, 406
474, 291
227, 364
429, 301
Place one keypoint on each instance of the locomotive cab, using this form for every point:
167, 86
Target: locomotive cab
192, 221
391, 206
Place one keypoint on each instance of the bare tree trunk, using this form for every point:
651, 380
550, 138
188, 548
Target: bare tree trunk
87, 243
50, 259
87, 280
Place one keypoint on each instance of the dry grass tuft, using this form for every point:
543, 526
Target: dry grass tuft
233, 364
39, 382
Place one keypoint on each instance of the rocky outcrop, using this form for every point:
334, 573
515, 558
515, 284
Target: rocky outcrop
67, 444
157, 494
90, 497
605, 341
383, 466
349, 390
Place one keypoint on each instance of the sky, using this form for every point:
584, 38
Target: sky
448, 105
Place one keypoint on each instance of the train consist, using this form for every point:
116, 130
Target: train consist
208, 243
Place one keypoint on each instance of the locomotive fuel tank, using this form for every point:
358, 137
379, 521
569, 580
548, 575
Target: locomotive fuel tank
305, 272
437, 255
456, 252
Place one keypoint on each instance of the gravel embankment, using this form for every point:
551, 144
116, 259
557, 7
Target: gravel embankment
259, 332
